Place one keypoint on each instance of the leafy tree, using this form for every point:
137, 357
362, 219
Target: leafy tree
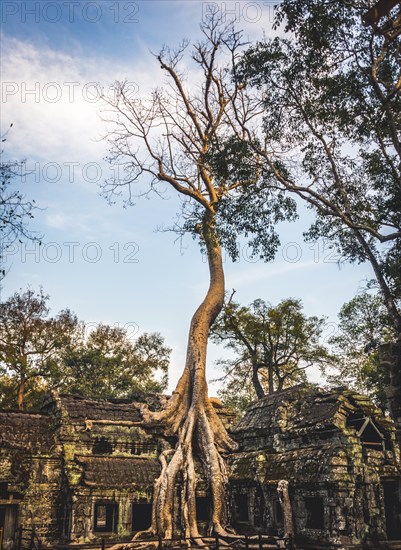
186, 136
35, 389
31, 340
107, 364
273, 345
39, 353
15, 210
238, 392
331, 136
364, 325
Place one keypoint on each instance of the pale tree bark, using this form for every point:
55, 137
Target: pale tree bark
190, 415
167, 136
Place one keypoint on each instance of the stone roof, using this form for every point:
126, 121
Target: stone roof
79, 408
303, 407
26, 431
127, 472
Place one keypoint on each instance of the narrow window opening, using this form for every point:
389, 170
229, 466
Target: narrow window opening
314, 513
141, 515
102, 447
278, 514
392, 506
241, 507
370, 435
106, 516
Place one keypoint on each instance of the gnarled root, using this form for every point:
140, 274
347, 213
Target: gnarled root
190, 417
199, 431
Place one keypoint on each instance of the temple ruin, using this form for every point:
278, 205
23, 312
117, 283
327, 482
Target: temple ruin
83, 470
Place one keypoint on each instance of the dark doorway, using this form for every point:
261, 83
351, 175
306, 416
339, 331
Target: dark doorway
106, 517
141, 516
314, 513
8, 525
203, 508
392, 507
241, 507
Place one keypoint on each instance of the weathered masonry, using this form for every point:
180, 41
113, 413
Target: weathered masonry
83, 470
80, 470
338, 453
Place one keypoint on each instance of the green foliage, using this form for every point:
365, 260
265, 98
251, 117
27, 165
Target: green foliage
272, 346
332, 127
108, 364
364, 325
39, 353
31, 342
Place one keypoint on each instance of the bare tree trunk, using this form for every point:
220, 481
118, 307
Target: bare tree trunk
256, 382
190, 416
21, 394
280, 384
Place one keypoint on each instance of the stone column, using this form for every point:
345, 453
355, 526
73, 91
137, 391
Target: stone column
284, 497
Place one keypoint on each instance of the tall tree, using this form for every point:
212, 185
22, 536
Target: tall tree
31, 340
331, 136
273, 345
364, 325
185, 136
105, 363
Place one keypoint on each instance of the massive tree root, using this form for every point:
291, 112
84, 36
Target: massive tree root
201, 433
191, 417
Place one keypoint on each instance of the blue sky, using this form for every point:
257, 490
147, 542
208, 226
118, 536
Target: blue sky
104, 262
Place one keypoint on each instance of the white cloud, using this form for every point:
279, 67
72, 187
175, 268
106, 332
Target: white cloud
52, 98
58, 220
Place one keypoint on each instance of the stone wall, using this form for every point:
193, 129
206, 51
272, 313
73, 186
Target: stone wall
84, 470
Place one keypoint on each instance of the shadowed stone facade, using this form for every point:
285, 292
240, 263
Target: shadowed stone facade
83, 470
339, 454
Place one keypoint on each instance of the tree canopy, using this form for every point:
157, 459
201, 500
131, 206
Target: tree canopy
31, 341
107, 364
40, 352
272, 346
331, 136
364, 324
331, 132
